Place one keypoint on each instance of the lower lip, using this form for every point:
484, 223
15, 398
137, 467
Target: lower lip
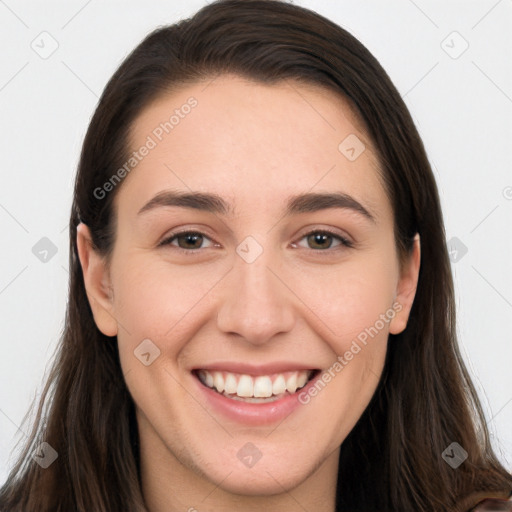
254, 414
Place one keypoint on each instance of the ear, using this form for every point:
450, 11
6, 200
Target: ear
406, 288
97, 282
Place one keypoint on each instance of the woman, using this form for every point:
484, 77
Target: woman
261, 309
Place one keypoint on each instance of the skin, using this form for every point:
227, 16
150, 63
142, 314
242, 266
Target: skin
254, 145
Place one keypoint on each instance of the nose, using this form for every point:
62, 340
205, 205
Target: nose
256, 303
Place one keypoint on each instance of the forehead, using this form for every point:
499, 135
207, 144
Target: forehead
251, 143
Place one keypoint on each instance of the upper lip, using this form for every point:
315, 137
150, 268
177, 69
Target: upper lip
253, 369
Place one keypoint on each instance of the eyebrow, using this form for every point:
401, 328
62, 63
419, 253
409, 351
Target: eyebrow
213, 203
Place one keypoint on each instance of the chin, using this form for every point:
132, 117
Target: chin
264, 478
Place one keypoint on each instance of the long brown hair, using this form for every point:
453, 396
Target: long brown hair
392, 460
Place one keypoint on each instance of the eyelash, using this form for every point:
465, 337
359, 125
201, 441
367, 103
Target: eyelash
344, 242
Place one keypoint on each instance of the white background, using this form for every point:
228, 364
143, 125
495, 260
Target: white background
462, 107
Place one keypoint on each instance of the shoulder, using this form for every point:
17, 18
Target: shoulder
493, 505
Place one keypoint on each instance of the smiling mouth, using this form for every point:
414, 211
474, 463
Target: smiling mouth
255, 389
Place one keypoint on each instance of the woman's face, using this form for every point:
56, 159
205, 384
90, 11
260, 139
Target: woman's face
258, 297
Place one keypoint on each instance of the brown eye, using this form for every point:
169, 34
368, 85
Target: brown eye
322, 240
188, 240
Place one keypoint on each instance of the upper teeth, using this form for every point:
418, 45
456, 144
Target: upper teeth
246, 386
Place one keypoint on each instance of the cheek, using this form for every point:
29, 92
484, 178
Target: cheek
168, 303
157, 300
349, 298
